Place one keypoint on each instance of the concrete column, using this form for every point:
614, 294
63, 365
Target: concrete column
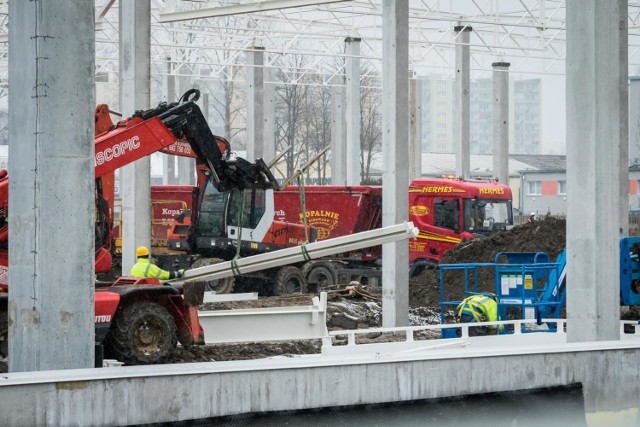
204, 105
597, 174
135, 75
169, 161
395, 149
338, 136
255, 103
501, 121
415, 129
186, 165
170, 83
634, 120
51, 69
462, 128
353, 113
269, 115
634, 134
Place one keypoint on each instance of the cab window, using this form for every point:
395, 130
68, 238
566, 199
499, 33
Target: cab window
247, 208
446, 214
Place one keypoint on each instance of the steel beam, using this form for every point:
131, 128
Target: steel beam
239, 9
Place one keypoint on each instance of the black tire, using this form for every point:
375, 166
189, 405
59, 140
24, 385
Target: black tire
289, 280
322, 276
219, 286
142, 333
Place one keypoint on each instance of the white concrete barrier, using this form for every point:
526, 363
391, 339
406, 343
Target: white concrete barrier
266, 324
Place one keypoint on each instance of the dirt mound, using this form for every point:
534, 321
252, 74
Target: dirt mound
547, 235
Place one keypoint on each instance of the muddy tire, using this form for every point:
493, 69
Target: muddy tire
322, 277
289, 280
142, 333
219, 286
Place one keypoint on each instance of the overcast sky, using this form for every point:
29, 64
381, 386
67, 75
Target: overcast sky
554, 127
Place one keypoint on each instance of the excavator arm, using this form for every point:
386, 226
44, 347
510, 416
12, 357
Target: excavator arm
179, 128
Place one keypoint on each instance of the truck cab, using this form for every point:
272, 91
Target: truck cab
450, 210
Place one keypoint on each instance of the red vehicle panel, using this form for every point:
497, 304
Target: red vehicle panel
106, 304
167, 202
333, 210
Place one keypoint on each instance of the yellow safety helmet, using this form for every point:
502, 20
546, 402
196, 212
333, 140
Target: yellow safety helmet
142, 251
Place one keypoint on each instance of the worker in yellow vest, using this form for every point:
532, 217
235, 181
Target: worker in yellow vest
145, 268
479, 308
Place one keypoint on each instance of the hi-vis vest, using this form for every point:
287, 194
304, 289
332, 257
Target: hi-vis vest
480, 307
143, 268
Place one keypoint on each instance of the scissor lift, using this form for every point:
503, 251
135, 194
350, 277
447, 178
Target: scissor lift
527, 285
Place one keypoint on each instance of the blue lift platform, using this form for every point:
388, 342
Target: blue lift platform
528, 285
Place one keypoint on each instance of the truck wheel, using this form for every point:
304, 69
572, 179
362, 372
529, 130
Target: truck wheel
219, 286
289, 280
322, 276
143, 332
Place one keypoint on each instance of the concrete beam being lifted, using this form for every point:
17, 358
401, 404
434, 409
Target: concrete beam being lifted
309, 251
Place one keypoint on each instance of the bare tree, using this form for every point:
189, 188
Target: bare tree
371, 131
290, 99
227, 98
317, 125
229, 107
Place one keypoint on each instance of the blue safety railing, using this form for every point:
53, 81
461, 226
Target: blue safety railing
528, 282
524, 285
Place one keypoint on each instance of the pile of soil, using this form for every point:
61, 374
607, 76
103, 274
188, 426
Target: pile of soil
547, 235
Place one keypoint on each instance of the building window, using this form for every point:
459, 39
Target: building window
562, 188
535, 188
